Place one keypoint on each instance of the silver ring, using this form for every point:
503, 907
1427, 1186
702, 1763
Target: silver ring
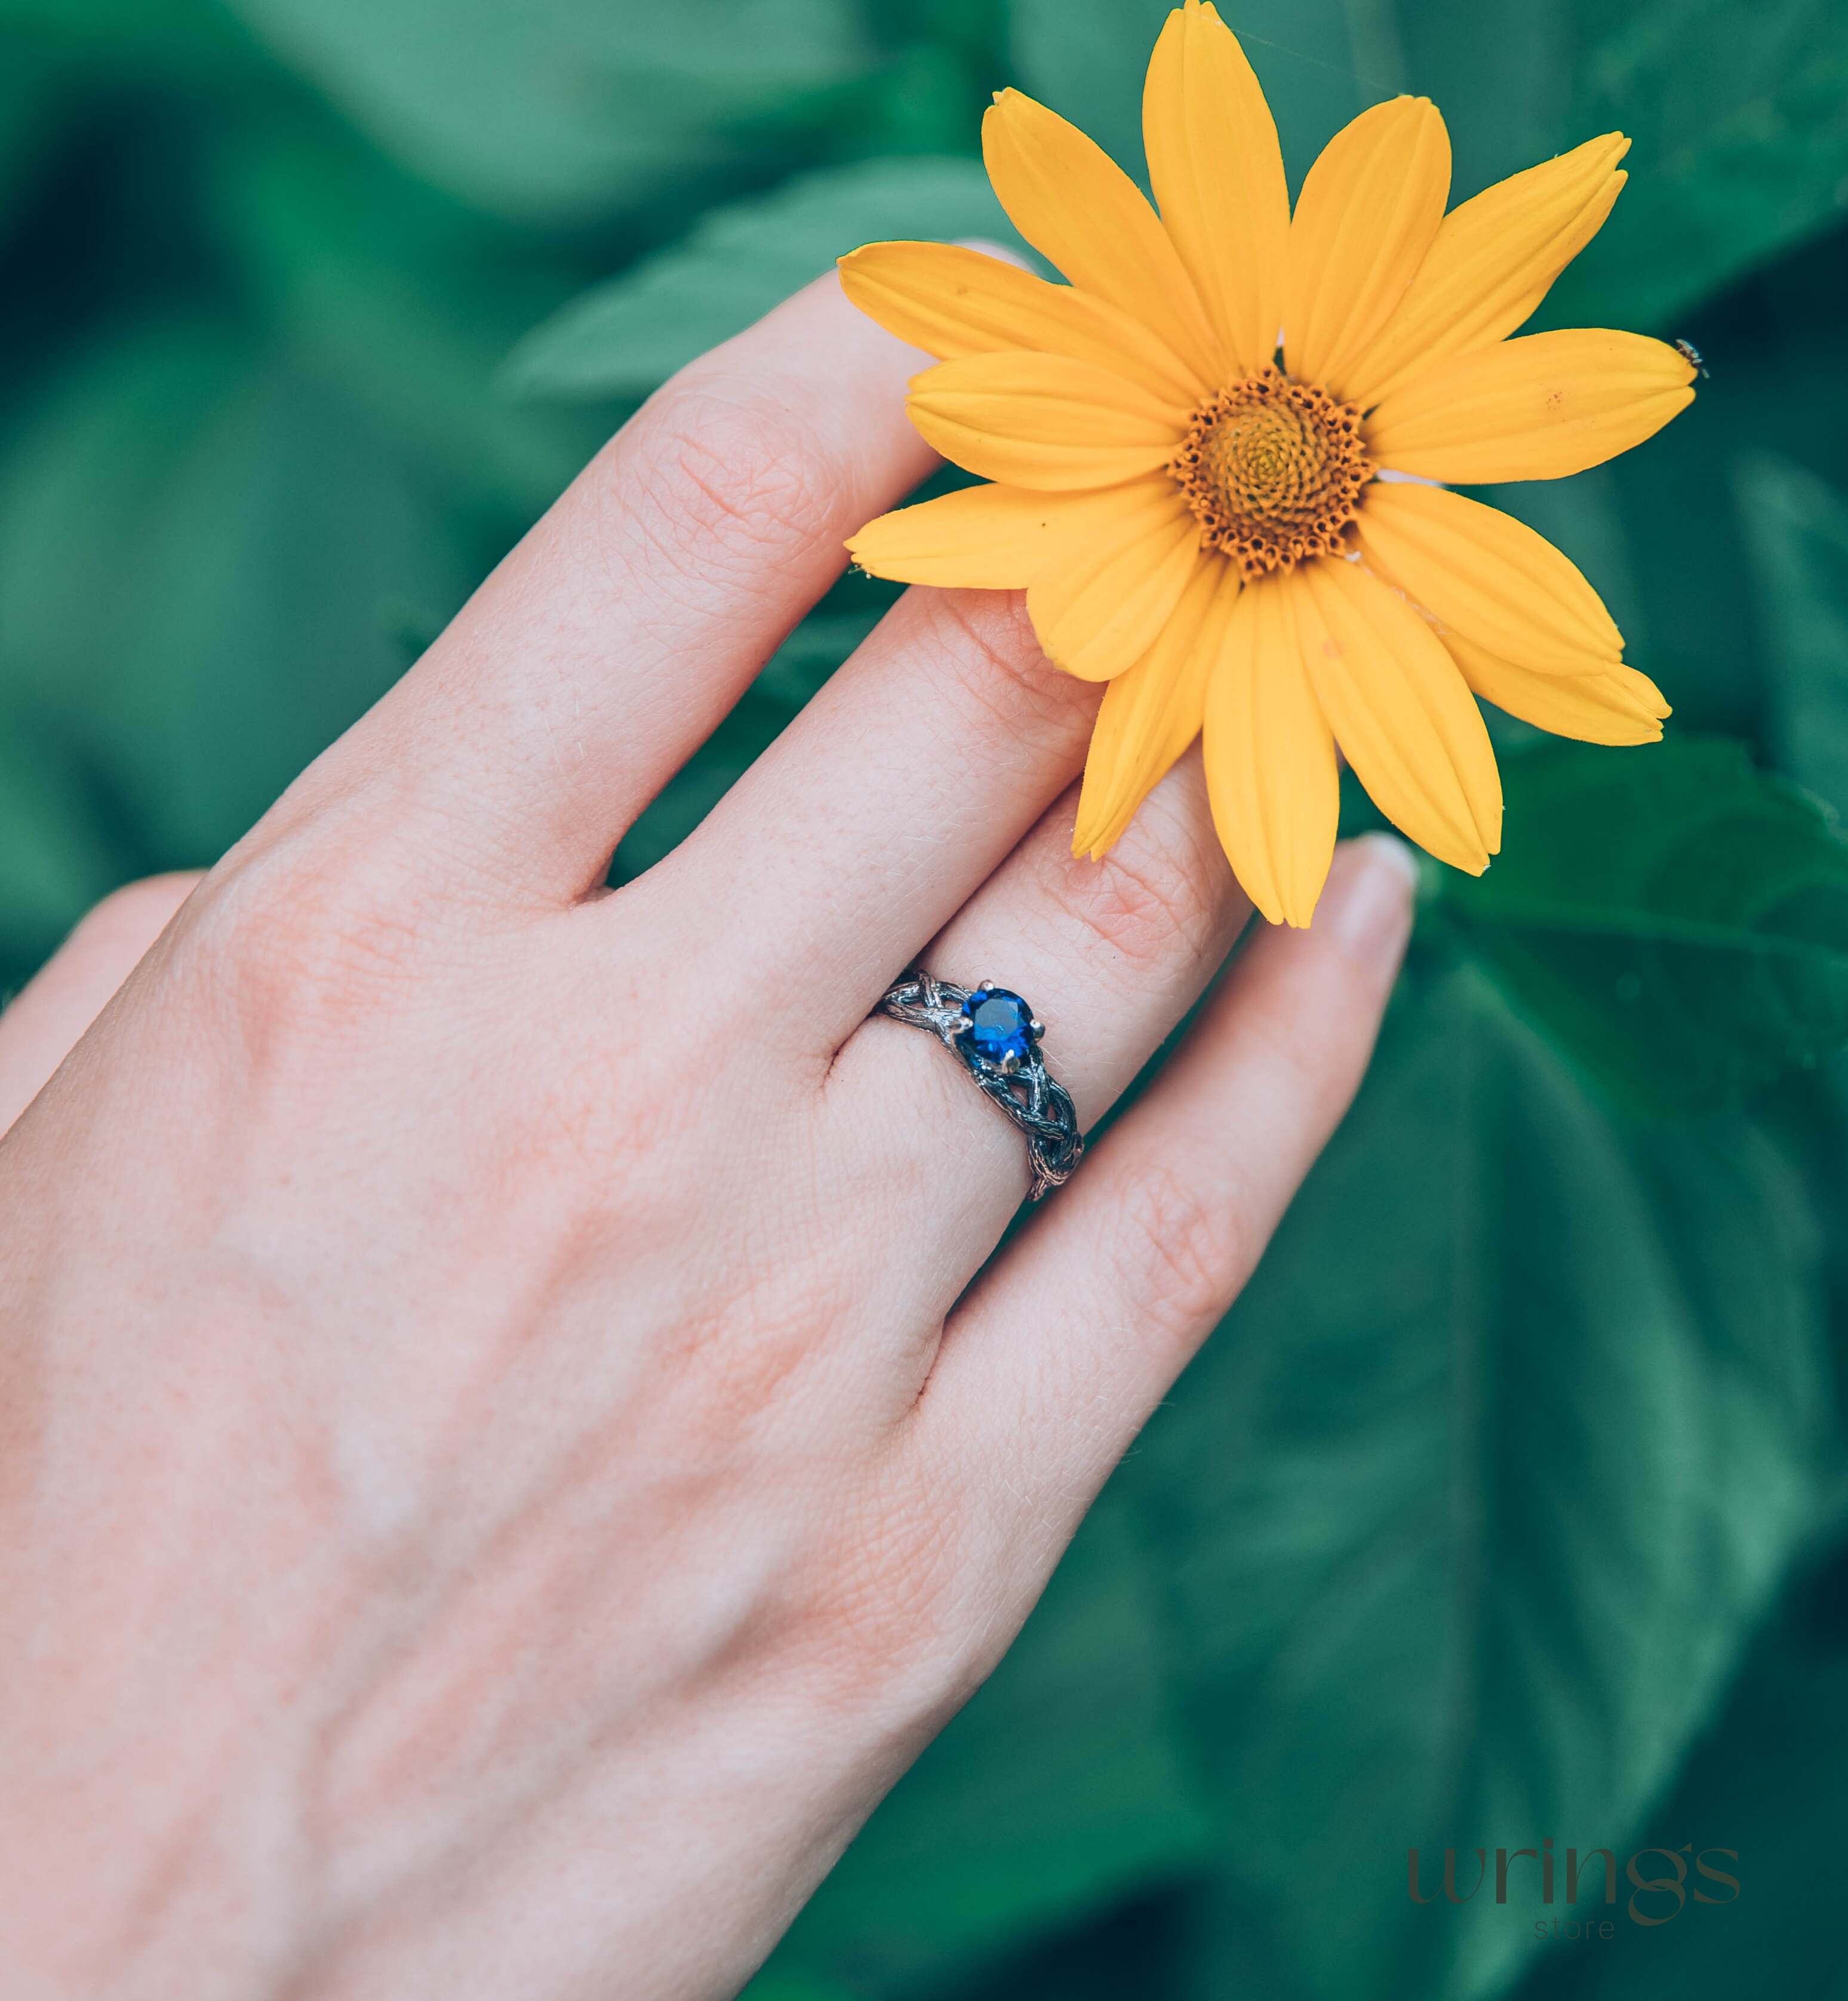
995, 1034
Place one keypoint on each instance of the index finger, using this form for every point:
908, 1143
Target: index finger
614, 636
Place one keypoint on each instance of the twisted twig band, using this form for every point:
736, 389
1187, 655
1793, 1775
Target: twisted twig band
1018, 1081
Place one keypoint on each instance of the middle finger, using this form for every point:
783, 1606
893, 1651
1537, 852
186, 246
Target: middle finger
884, 805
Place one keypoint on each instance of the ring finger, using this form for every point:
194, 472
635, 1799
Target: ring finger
1111, 954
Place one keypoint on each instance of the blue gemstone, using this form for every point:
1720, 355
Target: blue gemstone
1000, 1025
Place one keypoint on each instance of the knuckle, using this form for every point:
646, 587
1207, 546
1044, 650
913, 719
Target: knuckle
1179, 1255
719, 471
294, 942
1160, 894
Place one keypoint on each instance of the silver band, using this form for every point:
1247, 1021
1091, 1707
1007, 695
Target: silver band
1016, 1079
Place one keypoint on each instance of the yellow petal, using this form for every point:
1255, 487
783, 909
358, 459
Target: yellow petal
951, 301
1074, 204
988, 538
1401, 713
1097, 607
1150, 711
1369, 208
1492, 262
1271, 769
1043, 420
1487, 575
1216, 172
1538, 408
1618, 706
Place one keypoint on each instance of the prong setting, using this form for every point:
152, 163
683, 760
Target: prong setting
996, 1036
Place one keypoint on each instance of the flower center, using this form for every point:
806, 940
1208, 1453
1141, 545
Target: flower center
1273, 470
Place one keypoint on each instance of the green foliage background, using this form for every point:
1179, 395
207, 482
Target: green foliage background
1511, 1502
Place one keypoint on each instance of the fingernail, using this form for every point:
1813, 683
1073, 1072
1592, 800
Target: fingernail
1367, 906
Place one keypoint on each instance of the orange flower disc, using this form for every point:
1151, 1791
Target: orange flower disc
1273, 470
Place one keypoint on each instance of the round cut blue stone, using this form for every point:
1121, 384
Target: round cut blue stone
1000, 1025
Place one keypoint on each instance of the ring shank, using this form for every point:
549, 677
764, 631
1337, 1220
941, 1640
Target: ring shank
1038, 1105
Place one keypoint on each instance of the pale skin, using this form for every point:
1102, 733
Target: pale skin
502, 1462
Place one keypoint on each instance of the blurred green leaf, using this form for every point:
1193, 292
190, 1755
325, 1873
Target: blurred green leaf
202, 555
1676, 918
410, 300
1769, 1781
1139, 1946
1741, 124
1465, 1512
923, 100
32, 93
776, 1984
621, 337
1061, 1783
1798, 531
1662, 532
562, 109
118, 38
54, 860
1498, 69
1086, 59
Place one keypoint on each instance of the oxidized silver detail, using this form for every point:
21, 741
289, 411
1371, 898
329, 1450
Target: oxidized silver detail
1036, 1102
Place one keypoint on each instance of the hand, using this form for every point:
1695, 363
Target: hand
502, 1463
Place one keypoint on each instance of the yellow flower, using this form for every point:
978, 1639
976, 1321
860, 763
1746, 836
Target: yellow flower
1240, 529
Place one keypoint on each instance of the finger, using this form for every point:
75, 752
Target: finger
607, 646
1108, 954
867, 825
903, 784
43, 1024
1058, 1357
